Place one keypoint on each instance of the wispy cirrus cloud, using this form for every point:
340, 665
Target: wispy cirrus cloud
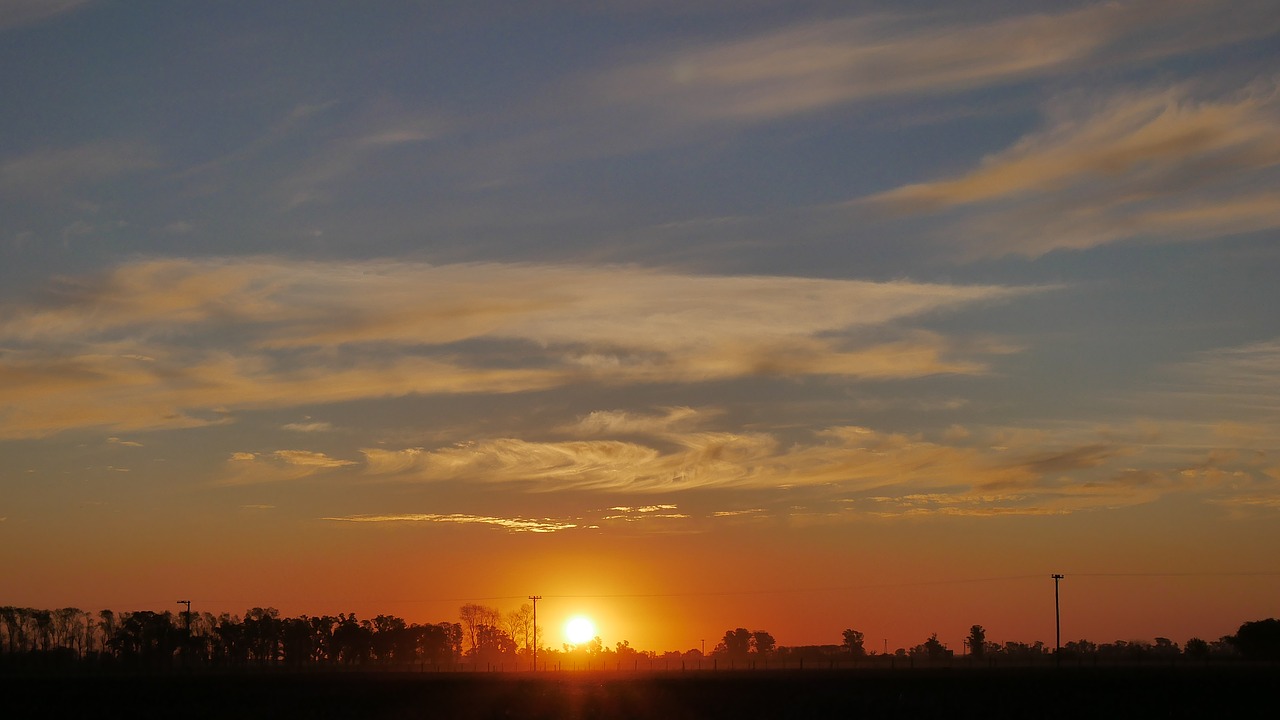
14, 13
1237, 388
854, 458
46, 170
983, 472
250, 468
1165, 165
818, 64
622, 422
511, 524
339, 158
308, 427
177, 343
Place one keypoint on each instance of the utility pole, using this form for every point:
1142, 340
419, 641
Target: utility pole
535, 599
704, 647
1057, 620
187, 615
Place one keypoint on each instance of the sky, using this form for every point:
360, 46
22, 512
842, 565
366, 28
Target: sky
685, 315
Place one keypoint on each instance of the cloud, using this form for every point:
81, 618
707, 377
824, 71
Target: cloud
985, 473
1230, 396
853, 458
15, 13
307, 458
49, 170
1161, 165
819, 64
622, 422
341, 158
308, 427
1053, 462
644, 513
179, 343
737, 513
123, 443
248, 468
513, 524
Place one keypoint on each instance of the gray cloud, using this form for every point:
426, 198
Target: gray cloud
815, 65
14, 13
48, 170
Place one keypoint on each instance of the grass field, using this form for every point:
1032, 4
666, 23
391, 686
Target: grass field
1238, 691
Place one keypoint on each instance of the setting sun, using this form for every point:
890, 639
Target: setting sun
579, 630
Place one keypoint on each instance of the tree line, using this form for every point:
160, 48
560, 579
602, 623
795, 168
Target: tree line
486, 638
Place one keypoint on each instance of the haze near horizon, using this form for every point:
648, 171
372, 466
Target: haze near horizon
686, 316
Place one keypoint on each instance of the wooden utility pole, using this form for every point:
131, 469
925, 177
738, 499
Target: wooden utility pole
1057, 620
186, 615
535, 599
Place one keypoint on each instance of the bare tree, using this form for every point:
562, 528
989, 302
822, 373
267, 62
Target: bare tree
473, 617
520, 626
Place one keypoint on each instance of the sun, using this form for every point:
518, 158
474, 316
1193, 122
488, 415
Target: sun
579, 630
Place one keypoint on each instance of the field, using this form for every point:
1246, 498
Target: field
1238, 691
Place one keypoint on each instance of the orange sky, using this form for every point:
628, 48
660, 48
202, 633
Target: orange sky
792, 316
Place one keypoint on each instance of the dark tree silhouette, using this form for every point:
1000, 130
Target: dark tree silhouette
853, 643
1259, 640
977, 641
145, 638
763, 643
1196, 648
735, 645
932, 649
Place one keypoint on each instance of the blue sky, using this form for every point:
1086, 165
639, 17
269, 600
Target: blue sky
294, 272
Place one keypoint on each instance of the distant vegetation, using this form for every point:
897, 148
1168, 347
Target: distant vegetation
486, 639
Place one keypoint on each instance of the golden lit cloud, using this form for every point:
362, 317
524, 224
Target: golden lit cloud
308, 427
513, 524
1161, 165
306, 458
621, 422
878, 473
247, 468
177, 343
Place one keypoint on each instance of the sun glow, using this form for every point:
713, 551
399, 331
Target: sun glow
579, 630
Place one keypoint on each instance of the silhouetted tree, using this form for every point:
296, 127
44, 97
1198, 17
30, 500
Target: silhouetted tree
520, 626
262, 630
853, 643
762, 642
1165, 648
1196, 649
1079, 648
297, 641
932, 649
473, 616
351, 640
493, 645
977, 641
440, 643
1259, 640
11, 625
735, 645
145, 638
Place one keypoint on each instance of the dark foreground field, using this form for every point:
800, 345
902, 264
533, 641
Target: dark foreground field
1067, 693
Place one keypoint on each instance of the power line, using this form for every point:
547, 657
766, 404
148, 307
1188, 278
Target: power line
731, 593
